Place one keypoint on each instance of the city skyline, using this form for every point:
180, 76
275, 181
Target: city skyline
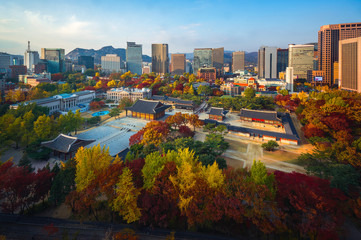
234, 25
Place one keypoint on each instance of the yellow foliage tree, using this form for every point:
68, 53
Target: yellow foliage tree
214, 176
112, 84
99, 84
127, 195
151, 136
88, 162
184, 181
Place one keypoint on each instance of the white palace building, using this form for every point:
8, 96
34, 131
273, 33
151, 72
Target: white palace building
64, 102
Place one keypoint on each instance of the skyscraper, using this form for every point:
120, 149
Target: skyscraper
267, 62
328, 47
300, 58
218, 60
87, 61
31, 58
160, 59
202, 57
55, 59
111, 63
178, 64
238, 61
134, 57
350, 64
282, 60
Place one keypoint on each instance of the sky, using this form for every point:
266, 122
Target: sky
236, 25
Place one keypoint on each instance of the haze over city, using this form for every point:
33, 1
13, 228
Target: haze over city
184, 25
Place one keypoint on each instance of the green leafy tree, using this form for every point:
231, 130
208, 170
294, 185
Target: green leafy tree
44, 127
15, 131
249, 93
26, 162
204, 90
260, 176
114, 112
271, 145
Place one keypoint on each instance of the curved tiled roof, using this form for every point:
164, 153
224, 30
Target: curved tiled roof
266, 115
65, 144
148, 106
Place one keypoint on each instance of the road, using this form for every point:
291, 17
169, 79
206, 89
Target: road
16, 227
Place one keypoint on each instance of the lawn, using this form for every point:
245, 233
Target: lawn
282, 156
237, 146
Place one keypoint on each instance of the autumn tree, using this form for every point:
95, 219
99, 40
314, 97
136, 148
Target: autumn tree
88, 161
127, 195
193, 119
177, 120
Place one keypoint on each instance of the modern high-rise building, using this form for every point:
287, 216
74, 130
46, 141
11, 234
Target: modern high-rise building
111, 63
87, 61
178, 64
31, 58
55, 59
160, 59
267, 62
289, 79
238, 61
218, 60
282, 60
350, 64
300, 58
328, 47
202, 57
134, 58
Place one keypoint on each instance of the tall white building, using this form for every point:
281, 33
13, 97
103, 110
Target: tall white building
111, 63
267, 62
300, 57
31, 58
289, 79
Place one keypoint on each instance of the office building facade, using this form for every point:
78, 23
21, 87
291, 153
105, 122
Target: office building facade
87, 61
202, 57
134, 57
111, 63
238, 61
160, 59
300, 58
178, 64
350, 64
218, 60
31, 58
267, 62
282, 60
55, 58
328, 47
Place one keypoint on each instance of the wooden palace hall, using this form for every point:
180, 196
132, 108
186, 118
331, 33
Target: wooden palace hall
147, 109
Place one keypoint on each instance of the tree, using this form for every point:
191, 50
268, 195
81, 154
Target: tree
127, 195
64, 182
311, 206
44, 127
26, 162
204, 90
271, 145
177, 120
112, 84
249, 93
14, 131
193, 119
260, 176
88, 161
114, 112
125, 102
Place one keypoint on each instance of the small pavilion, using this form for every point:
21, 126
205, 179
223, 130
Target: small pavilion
64, 145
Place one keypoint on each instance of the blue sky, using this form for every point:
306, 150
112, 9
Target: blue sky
184, 25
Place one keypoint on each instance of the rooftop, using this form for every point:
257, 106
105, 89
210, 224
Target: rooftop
148, 106
259, 114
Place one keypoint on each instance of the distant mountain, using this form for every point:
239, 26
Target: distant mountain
97, 54
250, 57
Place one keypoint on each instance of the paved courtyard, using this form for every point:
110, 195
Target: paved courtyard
114, 134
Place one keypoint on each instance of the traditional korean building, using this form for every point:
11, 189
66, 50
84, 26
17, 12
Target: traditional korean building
175, 102
258, 116
64, 145
217, 113
147, 109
